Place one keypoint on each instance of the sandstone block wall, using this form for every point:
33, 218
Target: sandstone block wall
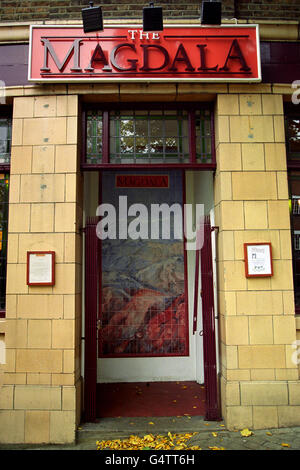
40, 396
257, 322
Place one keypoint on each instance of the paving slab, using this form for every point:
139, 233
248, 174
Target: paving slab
209, 435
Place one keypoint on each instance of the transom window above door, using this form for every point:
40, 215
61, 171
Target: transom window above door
149, 137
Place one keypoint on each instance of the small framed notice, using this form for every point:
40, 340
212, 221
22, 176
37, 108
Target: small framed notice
258, 259
40, 268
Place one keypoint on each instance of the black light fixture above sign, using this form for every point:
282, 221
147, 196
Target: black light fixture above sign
211, 12
92, 18
152, 18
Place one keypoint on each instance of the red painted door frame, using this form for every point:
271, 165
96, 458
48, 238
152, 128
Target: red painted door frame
92, 259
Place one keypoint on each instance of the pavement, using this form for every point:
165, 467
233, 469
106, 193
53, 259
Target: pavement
207, 435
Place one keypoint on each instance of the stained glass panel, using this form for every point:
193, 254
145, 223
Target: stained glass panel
203, 136
94, 137
151, 136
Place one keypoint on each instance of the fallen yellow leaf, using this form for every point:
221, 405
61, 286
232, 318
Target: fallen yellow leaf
134, 440
150, 422
269, 434
160, 446
284, 444
246, 432
214, 434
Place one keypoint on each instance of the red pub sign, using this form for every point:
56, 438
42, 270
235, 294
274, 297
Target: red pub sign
180, 53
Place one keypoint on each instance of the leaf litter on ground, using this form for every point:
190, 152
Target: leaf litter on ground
149, 442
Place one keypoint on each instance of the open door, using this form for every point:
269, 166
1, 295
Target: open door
213, 412
197, 320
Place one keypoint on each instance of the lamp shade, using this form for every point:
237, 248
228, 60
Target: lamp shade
152, 19
211, 12
92, 19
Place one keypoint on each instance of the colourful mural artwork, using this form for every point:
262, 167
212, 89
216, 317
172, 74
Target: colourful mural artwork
143, 300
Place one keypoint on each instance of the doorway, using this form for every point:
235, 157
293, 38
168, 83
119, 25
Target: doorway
161, 353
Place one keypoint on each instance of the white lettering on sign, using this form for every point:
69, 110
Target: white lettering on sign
132, 33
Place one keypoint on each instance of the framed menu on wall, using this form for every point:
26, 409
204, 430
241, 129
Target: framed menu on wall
258, 259
40, 268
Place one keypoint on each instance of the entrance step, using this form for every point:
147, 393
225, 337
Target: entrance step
120, 428
146, 399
